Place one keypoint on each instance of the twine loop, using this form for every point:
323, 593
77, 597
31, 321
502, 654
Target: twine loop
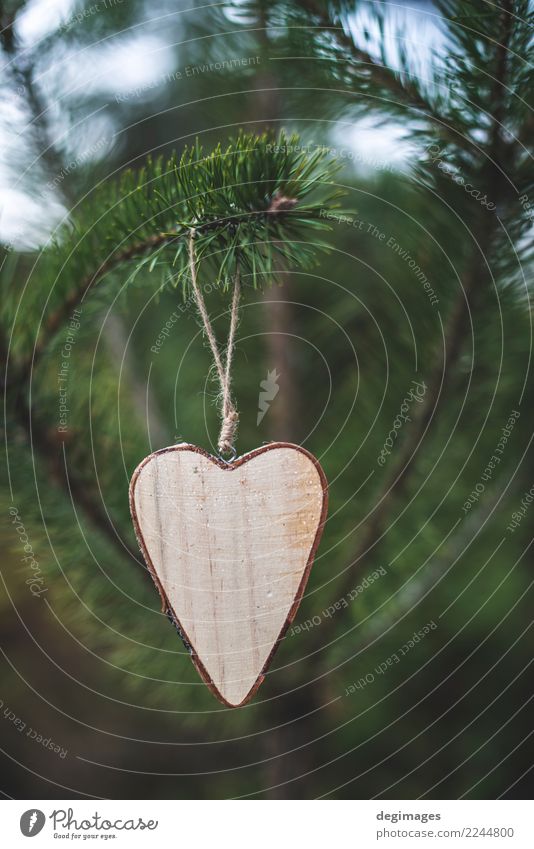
229, 414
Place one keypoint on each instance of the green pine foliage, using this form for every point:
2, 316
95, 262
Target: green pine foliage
254, 203
361, 328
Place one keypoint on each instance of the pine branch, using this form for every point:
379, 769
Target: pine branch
455, 547
396, 483
476, 279
253, 199
307, 701
40, 439
368, 72
56, 320
22, 70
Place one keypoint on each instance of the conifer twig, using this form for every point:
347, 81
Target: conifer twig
76, 296
476, 279
40, 439
403, 91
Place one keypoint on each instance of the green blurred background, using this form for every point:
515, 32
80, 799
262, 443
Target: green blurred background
91, 664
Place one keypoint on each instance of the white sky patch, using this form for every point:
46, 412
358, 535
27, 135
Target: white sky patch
367, 147
128, 64
116, 65
42, 17
25, 221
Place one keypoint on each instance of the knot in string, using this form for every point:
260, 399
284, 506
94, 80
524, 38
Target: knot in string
229, 414
229, 424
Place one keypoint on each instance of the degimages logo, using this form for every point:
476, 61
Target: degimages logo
31, 822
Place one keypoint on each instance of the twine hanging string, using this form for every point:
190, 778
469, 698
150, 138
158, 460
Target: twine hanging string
229, 414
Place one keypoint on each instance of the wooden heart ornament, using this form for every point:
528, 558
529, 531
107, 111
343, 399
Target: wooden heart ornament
230, 547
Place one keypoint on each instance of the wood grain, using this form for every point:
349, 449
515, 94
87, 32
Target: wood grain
230, 547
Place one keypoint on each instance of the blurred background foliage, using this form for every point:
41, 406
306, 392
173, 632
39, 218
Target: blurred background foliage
413, 100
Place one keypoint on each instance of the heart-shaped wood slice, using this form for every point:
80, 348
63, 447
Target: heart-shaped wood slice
230, 547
